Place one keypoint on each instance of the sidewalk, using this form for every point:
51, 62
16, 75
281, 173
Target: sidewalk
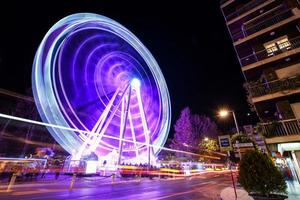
293, 190
228, 193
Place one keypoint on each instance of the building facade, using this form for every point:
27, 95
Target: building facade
266, 38
17, 138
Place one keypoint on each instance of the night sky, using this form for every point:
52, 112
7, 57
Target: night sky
189, 41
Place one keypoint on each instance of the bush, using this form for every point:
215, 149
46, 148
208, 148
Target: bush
258, 175
242, 138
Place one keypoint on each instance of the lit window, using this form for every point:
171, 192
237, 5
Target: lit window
281, 43
271, 48
284, 44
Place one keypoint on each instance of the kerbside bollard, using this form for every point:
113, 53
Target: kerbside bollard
139, 175
113, 178
11, 182
72, 181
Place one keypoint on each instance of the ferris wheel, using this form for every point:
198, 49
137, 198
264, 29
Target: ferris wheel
93, 75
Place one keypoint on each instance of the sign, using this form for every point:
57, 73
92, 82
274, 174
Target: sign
249, 130
249, 144
225, 143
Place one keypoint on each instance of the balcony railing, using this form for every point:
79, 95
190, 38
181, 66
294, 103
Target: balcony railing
261, 55
281, 128
262, 25
271, 87
268, 22
245, 8
223, 1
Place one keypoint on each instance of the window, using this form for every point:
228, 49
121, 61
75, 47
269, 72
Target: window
271, 48
284, 44
281, 43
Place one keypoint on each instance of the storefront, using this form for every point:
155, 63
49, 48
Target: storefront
287, 159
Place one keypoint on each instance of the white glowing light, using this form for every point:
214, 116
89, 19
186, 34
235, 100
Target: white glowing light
91, 167
135, 83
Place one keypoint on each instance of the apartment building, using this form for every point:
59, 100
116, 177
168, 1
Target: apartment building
266, 37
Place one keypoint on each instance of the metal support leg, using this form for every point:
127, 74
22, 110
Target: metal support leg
124, 125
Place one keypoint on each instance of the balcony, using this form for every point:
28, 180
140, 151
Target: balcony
280, 85
281, 131
268, 24
244, 9
262, 55
225, 3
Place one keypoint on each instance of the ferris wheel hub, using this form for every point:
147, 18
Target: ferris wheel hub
135, 83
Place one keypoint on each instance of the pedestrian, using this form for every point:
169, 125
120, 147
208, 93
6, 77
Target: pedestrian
57, 169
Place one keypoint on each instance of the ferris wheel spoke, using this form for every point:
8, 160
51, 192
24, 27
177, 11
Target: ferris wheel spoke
97, 126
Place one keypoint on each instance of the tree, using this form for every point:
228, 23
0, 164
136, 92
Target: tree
241, 138
203, 126
184, 139
190, 130
209, 145
260, 177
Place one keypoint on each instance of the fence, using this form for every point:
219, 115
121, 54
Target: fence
284, 85
281, 128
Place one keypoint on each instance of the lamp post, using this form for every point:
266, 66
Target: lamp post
224, 113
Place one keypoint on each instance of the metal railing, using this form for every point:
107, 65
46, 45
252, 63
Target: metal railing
281, 128
283, 85
245, 8
223, 1
269, 22
263, 54
246, 31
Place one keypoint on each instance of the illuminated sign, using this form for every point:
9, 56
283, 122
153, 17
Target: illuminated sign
224, 142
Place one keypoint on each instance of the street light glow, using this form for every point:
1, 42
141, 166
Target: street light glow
223, 113
206, 139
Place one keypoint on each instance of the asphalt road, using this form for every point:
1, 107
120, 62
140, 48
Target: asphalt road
205, 186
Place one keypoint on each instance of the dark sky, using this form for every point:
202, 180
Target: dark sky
189, 41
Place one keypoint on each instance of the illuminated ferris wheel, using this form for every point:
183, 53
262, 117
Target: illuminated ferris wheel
93, 75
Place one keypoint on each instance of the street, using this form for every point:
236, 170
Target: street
204, 186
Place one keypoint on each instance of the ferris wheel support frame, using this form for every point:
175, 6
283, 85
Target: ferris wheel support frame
99, 128
123, 120
96, 134
126, 115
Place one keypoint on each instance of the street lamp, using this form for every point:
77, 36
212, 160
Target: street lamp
206, 139
224, 113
